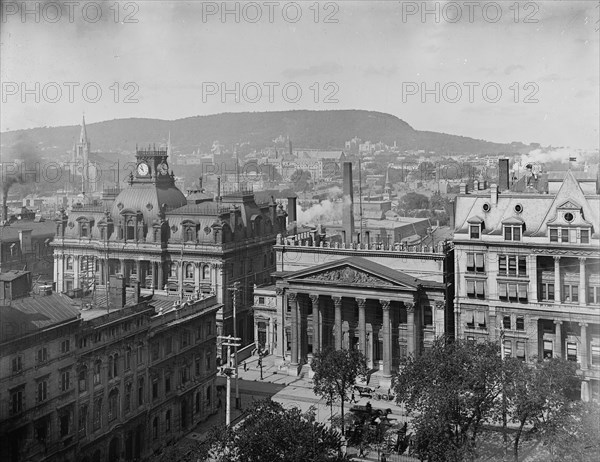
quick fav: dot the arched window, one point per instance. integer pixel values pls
(70, 263)
(173, 270)
(127, 403)
(156, 234)
(103, 233)
(110, 367)
(189, 234)
(85, 230)
(115, 365)
(113, 404)
(206, 272)
(131, 229)
(189, 271)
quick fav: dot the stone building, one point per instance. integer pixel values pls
(151, 234)
(528, 269)
(115, 381)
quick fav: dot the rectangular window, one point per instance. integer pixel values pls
(167, 384)
(42, 391)
(154, 351)
(522, 292)
(65, 346)
(548, 349)
(480, 318)
(471, 262)
(507, 349)
(502, 264)
(155, 389)
(65, 380)
(503, 290)
(168, 345)
(470, 287)
(512, 233)
(17, 364)
(506, 322)
(42, 355)
(570, 293)
(474, 231)
(585, 236)
(140, 355)
(97, 413)
(595, 350)
(564, 235)
(547, 291)
(520, 323)
(140, 392)
(65, 421)
(572, 351)
(593, 294)
(470, 319)
(521, 351)
(522, 263)
(479, 288)
(553, 235)
(427, 316)
(16, 401)
(512, 266)
(479, 265)
(512, 291)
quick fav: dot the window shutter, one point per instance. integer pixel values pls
(470, 286)
(480, 318)
(522, 291)
(502, 292)
(480, 288)
(479, 260)
(470, 262)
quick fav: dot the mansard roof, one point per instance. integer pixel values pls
(536, 210)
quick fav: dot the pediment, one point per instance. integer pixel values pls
(352, 275)
(569, 205)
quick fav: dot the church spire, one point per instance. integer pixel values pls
(83, 134)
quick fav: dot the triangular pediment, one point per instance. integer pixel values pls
(355, 271)
(569, 205)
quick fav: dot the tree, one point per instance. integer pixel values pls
(301, 179)
(451, 389)
(538, 394)
(271, 432)
(336, 372)
(414, 201)
(574, 434)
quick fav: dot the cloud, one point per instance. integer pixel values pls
(319, 69)
(386, 71)
(513, 67)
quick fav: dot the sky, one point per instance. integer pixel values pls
(500, 71)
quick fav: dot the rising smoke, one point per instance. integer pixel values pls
(557, 156)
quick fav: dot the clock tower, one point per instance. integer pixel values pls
(152, 166)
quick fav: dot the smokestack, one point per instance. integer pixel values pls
(218, 188)
(4, 209)
(348, 204)
(292, 215)
(116, 292)
(503, 175)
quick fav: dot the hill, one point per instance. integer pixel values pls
(256, 130)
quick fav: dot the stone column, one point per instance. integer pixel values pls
(387, 342)
(280, 324)
(557, 291)
(584, 346)
(160, 280)
(533, 338)
(138, 268)
(218, 280)
(123, 268)
(410, 328)
(582, 282)
(270, 336)
(362, 324)
(76, 271)
(292, 299)
(302, 327)
(533, 294)
(197, 269)
(558, 339)
(314, 299)
(337, 302)
(180, 276)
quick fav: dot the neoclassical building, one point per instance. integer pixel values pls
(151, 234)
(387, 302)
(528, 269)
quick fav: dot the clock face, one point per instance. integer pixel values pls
(143, 169)
(163, 169)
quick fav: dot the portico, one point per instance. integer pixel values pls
(357, 303)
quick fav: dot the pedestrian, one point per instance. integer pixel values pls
(383, 457)
(353, 398)
(245, 366)
(368, 407)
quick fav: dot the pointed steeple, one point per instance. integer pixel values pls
(83, 134)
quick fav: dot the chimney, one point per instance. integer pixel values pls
(137, 291)
(116, 294)
(292, 214)
(452, 213)
(494, 193)
(25, 239)
(476, 185)
(503, 175)
(464, 189)
(348, 204)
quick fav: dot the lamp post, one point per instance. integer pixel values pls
(235, 289)
(229, 372)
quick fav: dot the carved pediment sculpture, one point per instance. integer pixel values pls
(349, 276)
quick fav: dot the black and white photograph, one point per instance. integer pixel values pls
(299, 231)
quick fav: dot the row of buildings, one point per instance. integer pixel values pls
(119, 356)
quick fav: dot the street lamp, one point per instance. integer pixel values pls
(229, 372)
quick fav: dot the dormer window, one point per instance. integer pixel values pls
(474, 231)
(584, 236)
(512, 233)
(130, 229)
(85, 230)
(189, 234)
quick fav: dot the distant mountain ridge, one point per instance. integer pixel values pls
(257, 130)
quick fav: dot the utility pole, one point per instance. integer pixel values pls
(229, 342)
(235, 289)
